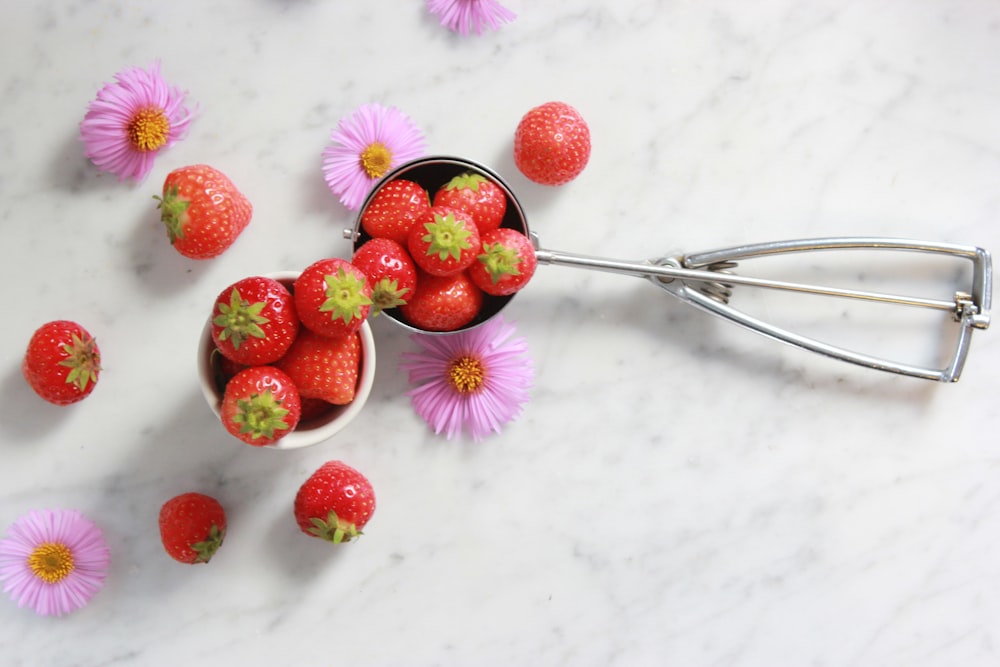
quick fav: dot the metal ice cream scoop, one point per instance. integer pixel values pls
(706, 279)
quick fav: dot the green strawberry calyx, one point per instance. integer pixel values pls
(83, 361)
(207, 548)
(345, 296)
(260, 415)
(386, 293)
(466, 181)
(240, 319)
(500, 260)
(333, 529)
(173, 212)
(446, 237)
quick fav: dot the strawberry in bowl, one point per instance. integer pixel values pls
(318, 410)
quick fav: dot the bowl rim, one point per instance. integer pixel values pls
(297, 439)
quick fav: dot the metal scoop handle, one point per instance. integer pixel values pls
(704, 280)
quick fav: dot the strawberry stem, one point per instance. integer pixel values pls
(466, 181)
(173, 210)
(208, 547)
(386, 293)
(240, 319)
(333, 529)
(83, 360)
(345, 296)
(447, 236)
(260, 415)
(500, 260)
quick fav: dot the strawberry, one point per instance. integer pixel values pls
(506, 263)
(443, 303)
(335, 503)
(324, 367)
(394, 208)
(261, 405)
(552, 144)
(444, 242)
(332, 297)
(254, 321)
(478, 196)
(390, 271)
(192, 527)
(202, 210)
(62, 362)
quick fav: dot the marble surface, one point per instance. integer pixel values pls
(678, 491)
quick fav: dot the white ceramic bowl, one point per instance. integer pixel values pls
(307, 433)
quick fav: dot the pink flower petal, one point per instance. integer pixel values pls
(91, 559)
(465, 16)
(104, 129)
(500, 399)
(369, 124)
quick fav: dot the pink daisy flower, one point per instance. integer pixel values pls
(461, 16)
(366, 145)
(476, 379)
(53, 561)
(132, 120)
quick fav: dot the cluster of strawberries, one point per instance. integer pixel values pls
(333, 504)
(288, 351)
(437, 258)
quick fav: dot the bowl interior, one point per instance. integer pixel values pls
(431, 173)
(309, 432)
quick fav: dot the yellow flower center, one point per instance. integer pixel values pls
(376, 159)
(148, 129)
(51, 562)
(466, 374)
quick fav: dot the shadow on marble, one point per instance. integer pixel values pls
(685, 333)
(72, 172)
(157, 266)
(25, 417)
(299, 566)
(317, 199)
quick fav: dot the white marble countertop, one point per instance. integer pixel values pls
(678, 491)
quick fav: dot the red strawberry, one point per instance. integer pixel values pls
(444, 242)
(390, 271)
(478, 196)
(552, 144)
(192, 527)
(335, 503)
(324, 367)
(394, 208)
(332, 297)
(203, 211)
(62, 362)
(506, 263)
(443, 303)
(261, 405)
(254, 321)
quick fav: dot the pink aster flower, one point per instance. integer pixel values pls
(53, 561)
(462, 16)
(132, 120)
(366, 145)
(476, 379)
